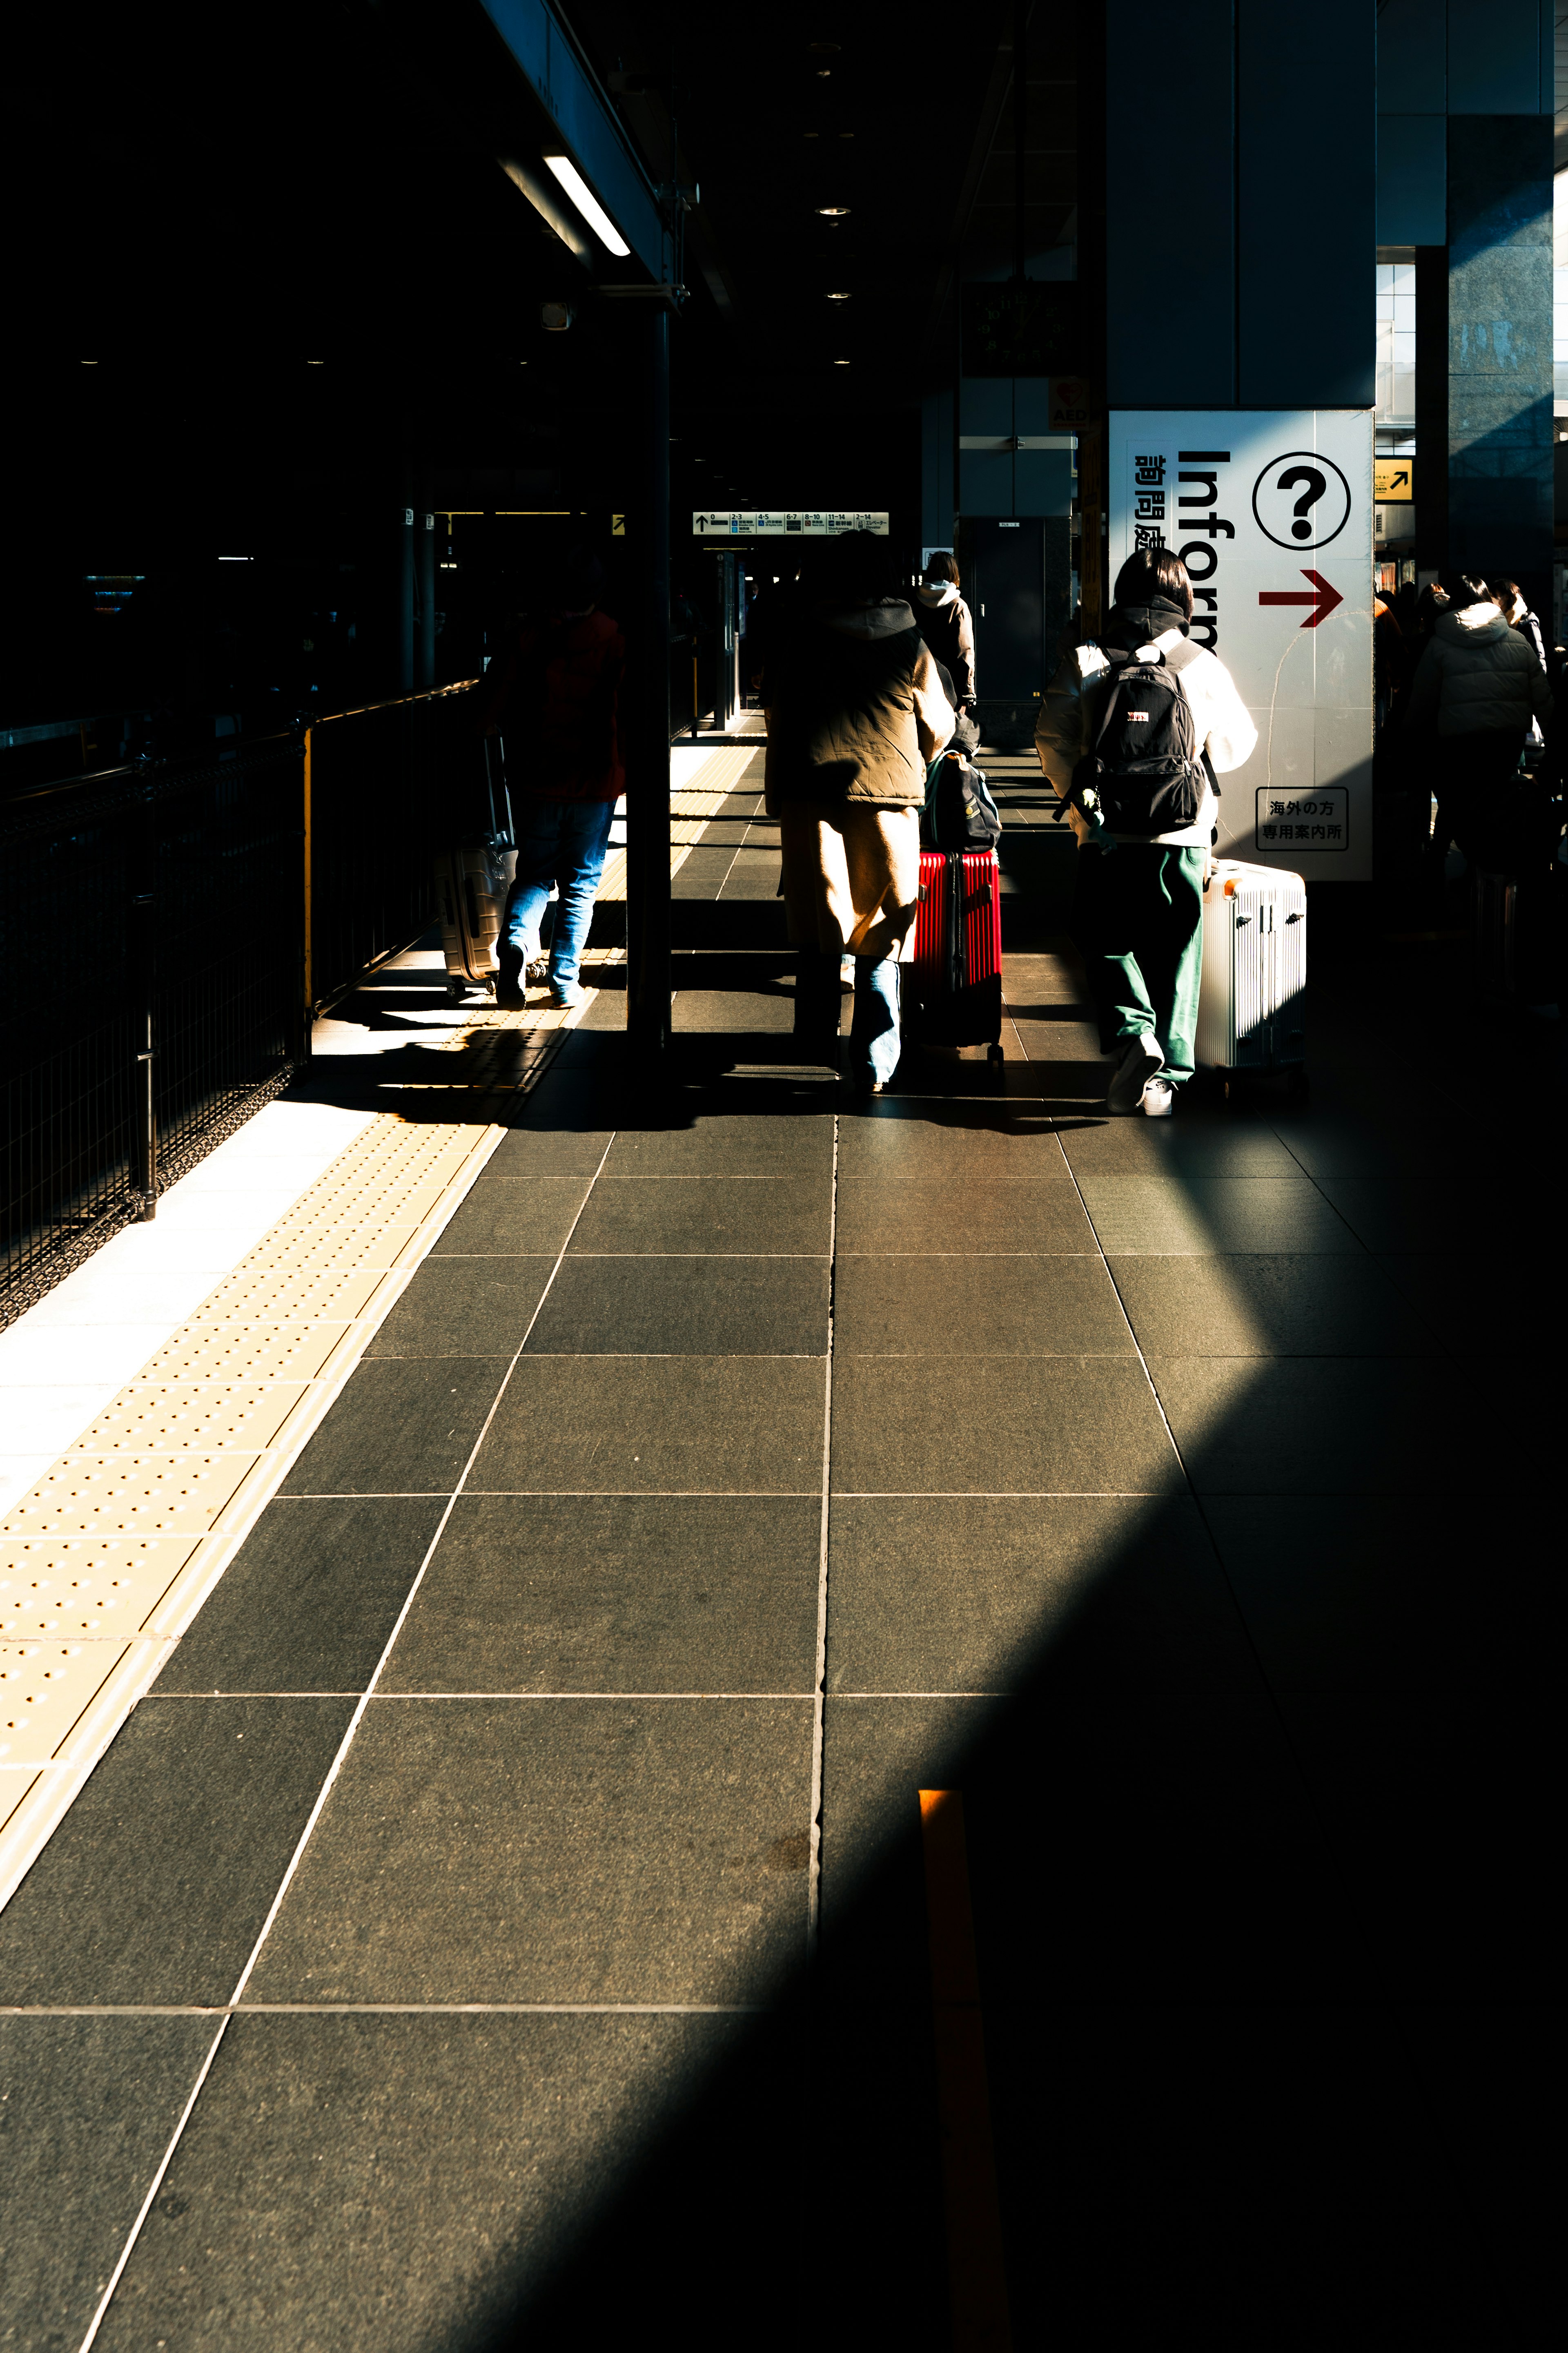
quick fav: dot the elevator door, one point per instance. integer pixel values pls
(1006, 588)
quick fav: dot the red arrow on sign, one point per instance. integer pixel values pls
(1320, 596)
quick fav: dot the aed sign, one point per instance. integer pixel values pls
(1271, 511)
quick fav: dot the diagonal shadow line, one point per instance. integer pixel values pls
(785, 2169)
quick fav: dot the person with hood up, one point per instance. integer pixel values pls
(1138, 915)
(560, 689)
(946, 623)
(1480, 684)
(854, 714)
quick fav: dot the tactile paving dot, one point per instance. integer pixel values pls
(96, 1586)
(273, 1295)
(258, 1352)
(188, 1417)
(44, 1687)
(169, 1494)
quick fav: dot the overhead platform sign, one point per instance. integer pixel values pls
(1271, 511)
(769, 522)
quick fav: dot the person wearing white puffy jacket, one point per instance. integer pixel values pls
(1138, 914)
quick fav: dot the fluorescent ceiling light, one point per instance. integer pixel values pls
(587, 203)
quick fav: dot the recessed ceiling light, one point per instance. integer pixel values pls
(822, 48)
(838, 298)
(823, 72)
(841, 362)
(833, 212)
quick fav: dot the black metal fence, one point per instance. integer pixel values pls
(167, 931)
(384, 786)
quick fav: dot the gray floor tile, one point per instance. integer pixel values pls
(514, 1218)
(308, 1600)
(407, 2183)
(1392, 1147)
(617, 1593)
(465, 1307)
(1431, 1214)
(1326, 1426)
(403, 1426)
(1182, 1216)
(555, 1851)
(1013, 1425)
(1198, 2135)
(1092, 1826)
(89, 2105)
(1344, 1592)
(685, 1305)
(732, 1145)
(703, 873)
(685, 1424)
(724, 1009)
(789, 1213)
(1420, 1794)
(963, 1145)
(1193, 1145)
(754, 875)
(550, 1139)
(1062, 1305)
(1480, 1304)
(908, 1218)
(980, 1593)
(1279, 1305)
(155, 1885)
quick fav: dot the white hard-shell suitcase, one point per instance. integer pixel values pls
(472, 879)
(1252, 1002)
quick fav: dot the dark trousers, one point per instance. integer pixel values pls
(1474, 779)
(1138, 919)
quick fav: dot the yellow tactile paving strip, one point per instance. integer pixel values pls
(689, 811)
(106, 1560)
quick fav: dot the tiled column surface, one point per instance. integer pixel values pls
(733, 1466)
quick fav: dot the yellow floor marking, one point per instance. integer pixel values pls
(977, 2274)
(689, 814)
(106, 1560)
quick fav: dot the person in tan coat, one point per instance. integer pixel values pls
(854, 714)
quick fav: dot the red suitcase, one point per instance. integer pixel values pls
(954, 991)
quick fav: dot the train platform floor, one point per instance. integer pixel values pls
(926, 1722)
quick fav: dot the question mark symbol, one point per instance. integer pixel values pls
(1316, 485)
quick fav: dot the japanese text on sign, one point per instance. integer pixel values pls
(1315, 820)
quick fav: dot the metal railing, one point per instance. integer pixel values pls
(168, 931)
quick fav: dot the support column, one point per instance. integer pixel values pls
(648, 765)
(1499, 348)
(425, 534)
(407, 567)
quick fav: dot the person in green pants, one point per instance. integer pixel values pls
(1138, 914)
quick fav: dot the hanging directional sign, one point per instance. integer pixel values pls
(1271, 511)
(770, 522)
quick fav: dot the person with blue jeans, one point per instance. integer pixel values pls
(559, 694)
(854, 714)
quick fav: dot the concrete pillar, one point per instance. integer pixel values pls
(1499, 348)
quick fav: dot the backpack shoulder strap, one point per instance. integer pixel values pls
(1179, 658)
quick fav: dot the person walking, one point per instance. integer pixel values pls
(1516, 612)
(1138, 909)
(559, 694)
(854, 714)
(1478, 685)
(946, 623)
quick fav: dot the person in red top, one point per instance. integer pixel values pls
(558, 694)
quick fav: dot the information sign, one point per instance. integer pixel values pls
(1393, 480)
(1271, 510)
(776, 523)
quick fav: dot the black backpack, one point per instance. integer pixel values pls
(959, 812)
(1144, 774)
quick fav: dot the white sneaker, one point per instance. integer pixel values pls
(1141, 1058)
(566, 992)
(1159, 1099)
